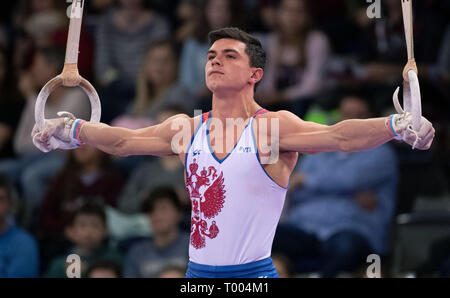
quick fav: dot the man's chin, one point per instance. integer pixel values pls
(219, 88)
(214, 86)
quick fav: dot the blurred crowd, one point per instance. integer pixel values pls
(130, 216)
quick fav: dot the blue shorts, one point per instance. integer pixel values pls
(261, 268)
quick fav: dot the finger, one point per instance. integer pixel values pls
(425, 146)
(429, 135)
(65, 114)
(48, 132)
(425, 128)
(40, 145)
(427, 140)
(34, 131)
(409, 137)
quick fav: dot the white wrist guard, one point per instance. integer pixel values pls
(401, 127)
(390, 122)
(72, 129)
(76, 129)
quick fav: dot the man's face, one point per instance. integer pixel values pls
(164, 217)
(88, 231)
(292, 16)
(228, 66)
(161, 66)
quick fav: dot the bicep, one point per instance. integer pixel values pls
(306, 137)
(168, 138)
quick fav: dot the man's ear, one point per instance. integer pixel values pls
(257, 74)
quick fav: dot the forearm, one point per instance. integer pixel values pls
(152, 140)
(362, 134)
(109, 139)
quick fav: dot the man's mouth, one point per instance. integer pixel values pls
(215, 72)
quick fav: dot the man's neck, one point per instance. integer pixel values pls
(233, 105)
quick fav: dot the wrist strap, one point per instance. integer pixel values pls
(390, 124)
(76, 128)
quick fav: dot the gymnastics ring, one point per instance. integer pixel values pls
(411, 89)
(411, 99)
(69, 76)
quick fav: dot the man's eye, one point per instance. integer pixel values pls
(231, 56)
(210, 57)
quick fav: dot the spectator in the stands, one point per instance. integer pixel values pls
(88, 233)
(121, 40)
(340, 206)
(47, 63)
(216, 14)
(19, 255)
(296, 55)
(168, 246)
(104, 269)
(157, 87)
(88, 173)
(11, 105)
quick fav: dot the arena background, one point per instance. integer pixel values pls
(146, 59)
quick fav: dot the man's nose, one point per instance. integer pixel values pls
(216, 61)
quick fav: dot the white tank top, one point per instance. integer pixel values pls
(236, 205)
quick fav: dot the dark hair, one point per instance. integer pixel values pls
(6, 183)
(104, 264)
(161, 193)
(253, 47)
(90, 208)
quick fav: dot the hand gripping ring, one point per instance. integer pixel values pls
(411, 99)
(56, 82)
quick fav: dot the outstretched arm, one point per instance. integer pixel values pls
(348, 135)
(168, 138)
(153, 140)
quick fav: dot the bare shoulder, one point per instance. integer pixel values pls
(271, 126)
(177, 124)
(182, 127)
(180, 122)
(283, 119)
(281, 115)
(182, 117)
(287, 124)
(268, 130)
